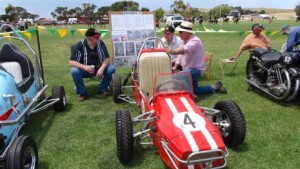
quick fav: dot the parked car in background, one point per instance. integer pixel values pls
(174, 20)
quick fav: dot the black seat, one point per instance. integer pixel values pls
(271, 58)
(10, 53)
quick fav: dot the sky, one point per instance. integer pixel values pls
(44, 7)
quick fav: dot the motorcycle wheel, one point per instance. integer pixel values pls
(235, 133)
(124, 135)
(250, 69)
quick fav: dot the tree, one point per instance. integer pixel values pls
(220, 10)
(53, 14)
(178, 6)
(61, 11)
(124, 6)
(145, 9)
(159, 13)
(88, 9)
(297, 9)
(15, 13)
(103, 10)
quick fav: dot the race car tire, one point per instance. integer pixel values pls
(116, 87)
(124, 135)
(23, 154)
(59, 92)
(235, 134)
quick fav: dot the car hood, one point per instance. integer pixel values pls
(184, 126)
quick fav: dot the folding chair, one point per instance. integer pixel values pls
(224, 62)
(208, 59)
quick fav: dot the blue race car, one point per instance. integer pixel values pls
(22, 93)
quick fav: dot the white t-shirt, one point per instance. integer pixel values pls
(174, 44)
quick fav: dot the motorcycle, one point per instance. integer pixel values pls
(275, 73)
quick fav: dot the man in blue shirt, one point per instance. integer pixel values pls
(293, 34)
(89, 58)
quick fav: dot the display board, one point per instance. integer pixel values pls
(129, 29)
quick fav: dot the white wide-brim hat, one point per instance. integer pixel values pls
(185, 26)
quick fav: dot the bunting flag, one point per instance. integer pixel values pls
(6, 34)
(103, 33)
(26, 34)
(52, 30)
(82, 31)
(274, 32)
(72, 31)
(211, 30)
(239, 32)
(62, 32)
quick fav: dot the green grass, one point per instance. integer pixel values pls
(84, 135)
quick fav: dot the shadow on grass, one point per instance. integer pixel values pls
(241, 149)
(140, 156)
(42, 122)
(293, 103)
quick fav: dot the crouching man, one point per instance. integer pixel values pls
(89, 58)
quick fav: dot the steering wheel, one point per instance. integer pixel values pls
(170, 85)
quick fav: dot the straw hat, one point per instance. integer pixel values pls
(186, 26)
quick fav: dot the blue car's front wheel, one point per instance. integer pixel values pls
(23, 154)
(58, 92)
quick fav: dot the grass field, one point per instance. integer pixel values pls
(83, 137)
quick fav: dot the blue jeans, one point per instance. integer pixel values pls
(196, 75)
(78, 75)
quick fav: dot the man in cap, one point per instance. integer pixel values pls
(254, 40)
(90, 58)
(191, 58)
(293, 34)
(170, 39)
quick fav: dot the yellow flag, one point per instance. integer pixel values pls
(27, 34)
(206, 30)
(62, 32)
(41, 27)
(6, 35)
(274, 32)
(82, 31)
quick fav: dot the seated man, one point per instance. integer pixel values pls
(254, 40)
(170, 40)
(90, 58)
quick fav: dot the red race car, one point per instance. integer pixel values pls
(186, 135)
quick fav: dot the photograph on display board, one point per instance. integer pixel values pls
(118, 36)
(119, 62)
(150, 44)
(134, 35)
(150, 33)
(119, 49)
(138, 46)
(129, 46)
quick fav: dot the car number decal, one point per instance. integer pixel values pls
(189, 121)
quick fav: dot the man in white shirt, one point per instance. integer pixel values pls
(170, 40)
